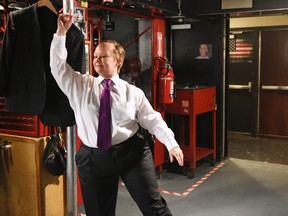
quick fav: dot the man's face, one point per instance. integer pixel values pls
(104, 62)
(203, 50)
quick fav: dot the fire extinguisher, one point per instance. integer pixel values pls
(165, 80)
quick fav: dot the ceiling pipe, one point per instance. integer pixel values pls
(152, 7)
(119, 10)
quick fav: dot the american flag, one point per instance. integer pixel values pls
(240, 50)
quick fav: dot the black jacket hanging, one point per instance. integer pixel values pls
(25, 77)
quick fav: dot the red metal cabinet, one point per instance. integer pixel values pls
(190, 103)
(20, 124)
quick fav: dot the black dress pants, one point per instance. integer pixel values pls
(99, 175)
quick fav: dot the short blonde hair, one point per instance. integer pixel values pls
(118, 52)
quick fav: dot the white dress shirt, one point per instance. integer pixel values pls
(129, 104)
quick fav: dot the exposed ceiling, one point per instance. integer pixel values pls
(172, 9)
(168, 7)
(187, 8)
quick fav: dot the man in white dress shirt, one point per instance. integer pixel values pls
(129, 157)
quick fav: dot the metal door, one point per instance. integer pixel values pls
(273, 111)
(242, 79)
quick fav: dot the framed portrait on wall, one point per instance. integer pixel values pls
(80, 20)
(204, 51)
(80, 12)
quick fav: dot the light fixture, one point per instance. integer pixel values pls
(181, 26)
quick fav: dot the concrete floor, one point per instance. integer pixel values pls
(238, 188)
(264, 149)
(248, 183)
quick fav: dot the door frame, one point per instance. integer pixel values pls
(254, 79)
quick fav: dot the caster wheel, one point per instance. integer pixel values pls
(213, 163)
(190, 175)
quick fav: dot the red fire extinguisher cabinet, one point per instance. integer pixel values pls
(188, 104)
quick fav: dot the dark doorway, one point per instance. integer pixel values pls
(242, 100)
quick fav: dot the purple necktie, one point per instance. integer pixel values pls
(104, 140)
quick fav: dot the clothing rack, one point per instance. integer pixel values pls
(71, 172)
(71, 151)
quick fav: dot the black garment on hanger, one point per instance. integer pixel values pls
(25, 77)
(57, 110)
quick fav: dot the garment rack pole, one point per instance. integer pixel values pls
(71, 149)
(71, 172)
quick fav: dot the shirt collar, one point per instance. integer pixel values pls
(115, 79)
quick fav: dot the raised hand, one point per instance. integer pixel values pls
(64, 23)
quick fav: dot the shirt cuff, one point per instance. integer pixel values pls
(171, 144)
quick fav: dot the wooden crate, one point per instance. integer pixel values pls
(26, 187)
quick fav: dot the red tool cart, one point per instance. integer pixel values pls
(189, 103)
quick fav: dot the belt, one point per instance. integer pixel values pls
(123, 145)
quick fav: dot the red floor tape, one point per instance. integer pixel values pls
(184, 194)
